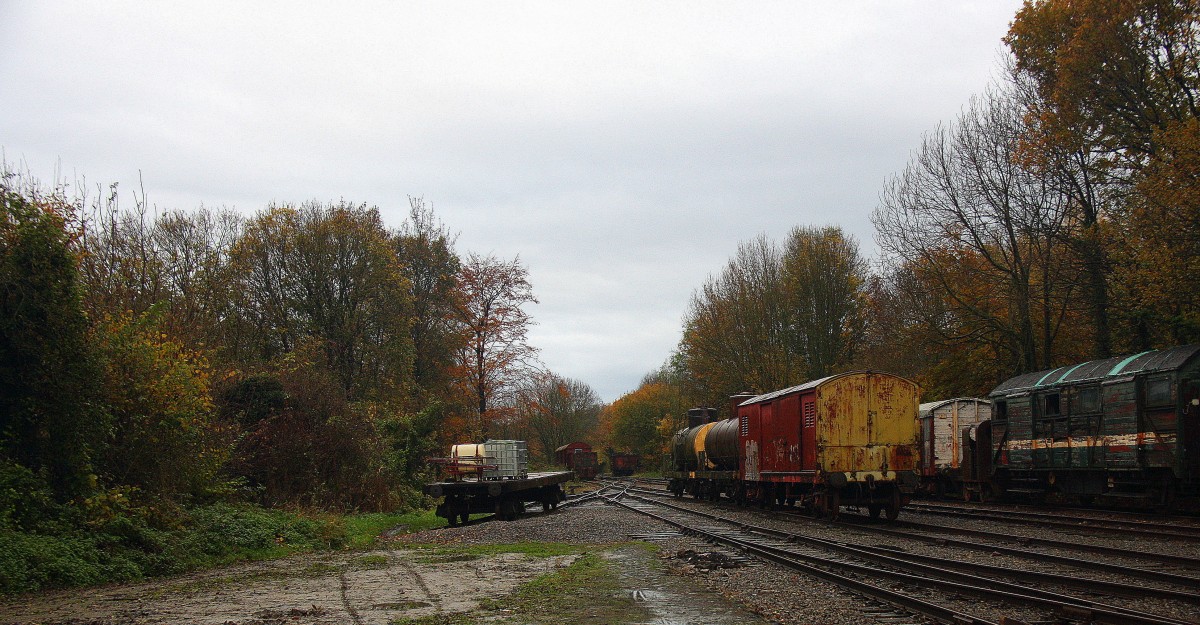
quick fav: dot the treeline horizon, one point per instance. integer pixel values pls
(310, 356)
(1056, 220)
(303, 355)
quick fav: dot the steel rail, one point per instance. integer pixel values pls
(946, 567)
(940, 531)
(940, 577)
(1188, 533)
(932, 610)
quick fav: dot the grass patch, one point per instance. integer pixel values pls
(373, 561)
(589, 590)
(456, 618)
(531, 549)
(363, 530)
(320, 569)
(70, 547)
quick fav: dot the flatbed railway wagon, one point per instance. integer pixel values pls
(845, 440)
(506, 498)
(493, 477)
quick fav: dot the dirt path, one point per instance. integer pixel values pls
(381, 586)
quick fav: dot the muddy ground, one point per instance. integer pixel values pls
(396, 584)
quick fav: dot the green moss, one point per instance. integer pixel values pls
(589, 590)
(456, 618)
(531, 549)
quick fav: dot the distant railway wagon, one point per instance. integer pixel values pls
(847, 439)
(1119, 431)
(625, 464)
(562, 455)
(578, 457)
(943, 425)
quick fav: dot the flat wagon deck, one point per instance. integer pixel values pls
(505, 497)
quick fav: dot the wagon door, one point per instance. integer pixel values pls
(808, 432)
(768, 451)
(1190, 414)
(1120, 427)
(791, 421)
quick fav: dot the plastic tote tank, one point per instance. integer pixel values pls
(510, 457)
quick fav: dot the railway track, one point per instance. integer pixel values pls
(1141, 563)
(876, 571)
(1090, 524)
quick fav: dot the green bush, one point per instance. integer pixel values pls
(126, 545)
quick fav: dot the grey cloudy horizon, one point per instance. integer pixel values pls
(621, 149)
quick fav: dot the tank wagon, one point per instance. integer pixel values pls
(1121, 431)
(944, 424)
(846, 440)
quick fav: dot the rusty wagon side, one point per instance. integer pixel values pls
(848, 439)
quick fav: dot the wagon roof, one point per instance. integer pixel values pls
(576, 444)
(1168, 359)
(929, 407)
(809, 385)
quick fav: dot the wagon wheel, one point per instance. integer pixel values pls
(874, 509)
(451, 509)
(465, 516)
(893, 507)
(506, 510)
(831, 504)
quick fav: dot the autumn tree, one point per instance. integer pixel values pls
(1116, 85)
(641, 421)
(775, 317)
(823, 279)
(1118, 70)
(328, 273)
(164, 438)
(177, 262)
(558, 411)
(304, 443)
(426, 252)
(985, 231)
(1161, 255)
(735, 330)
(50, 422)
(496, 358)
(121, 268)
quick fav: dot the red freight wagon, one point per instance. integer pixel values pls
(579, 458)
(563, 454)
(848, 439)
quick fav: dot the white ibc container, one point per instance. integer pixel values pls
(510, 457)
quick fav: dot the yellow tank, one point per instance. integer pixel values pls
(702, 462)
(467, 452)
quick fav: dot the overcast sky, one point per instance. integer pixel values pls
(622, 149)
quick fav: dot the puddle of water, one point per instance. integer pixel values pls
(670, 599)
